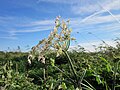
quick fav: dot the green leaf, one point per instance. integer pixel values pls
(117, 86)
(98, 79)
(1, 72)
(64, 86)
(52, 61)
(51, 86)
(67, 44)
(105, 60)
(108, 66)
(77, 88)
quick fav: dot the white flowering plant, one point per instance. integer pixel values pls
(59, 41)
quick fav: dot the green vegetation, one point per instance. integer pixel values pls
(50, 66)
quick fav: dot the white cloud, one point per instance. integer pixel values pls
(101, 19)
(35, 26)
(9, 37)
(29, 25)
(98, 21)
(90, 16)
(30, 30)
(113, 5)
(107, 7)
(96, 17)
(93, 7)
(42, 25)
(15, 25)
(85, 9)
(38, 23)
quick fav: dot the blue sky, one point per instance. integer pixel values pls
(24, 22)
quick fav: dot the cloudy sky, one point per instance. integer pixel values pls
(24, 22)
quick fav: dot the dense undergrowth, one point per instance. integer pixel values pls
(59, 69)
(101, 70)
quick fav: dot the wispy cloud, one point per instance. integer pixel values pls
(38, 23)
(98, 21)
(112, 5)
(28, 25)
(9, 37)
(13, 26)
(101, 19)
(92, 15)
(93, 7)
(82, 10)
(30, 30)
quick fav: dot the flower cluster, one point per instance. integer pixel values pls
(59, 39)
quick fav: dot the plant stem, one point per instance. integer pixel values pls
(64, 74)
(114, 74)
(71, 65)
(16, 67)
(44, 74)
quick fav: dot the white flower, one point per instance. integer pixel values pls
(42, 59)
(29, 59)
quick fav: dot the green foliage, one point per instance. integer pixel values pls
(102, 72)
(12, 80)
